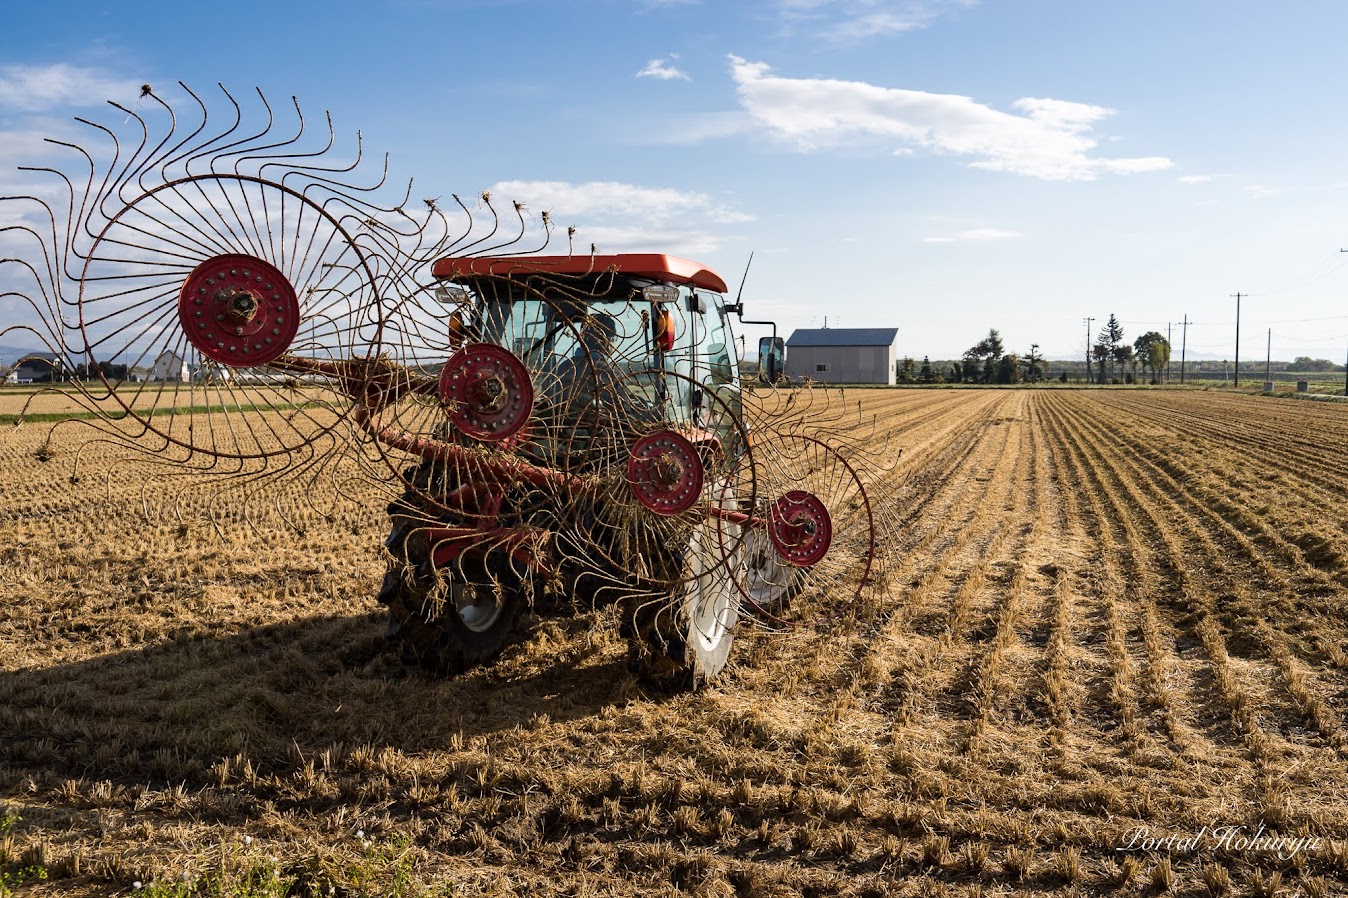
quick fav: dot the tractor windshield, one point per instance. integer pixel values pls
(537, 331)
(579, 351)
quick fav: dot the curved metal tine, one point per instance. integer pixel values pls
(313, 174)
(119, 181)
(182, 151)
(91, 199)
(517, 236)
(495, 223)
(241, 146)
(63, 245)
(206, 150)
(167, 152)
(52, 317)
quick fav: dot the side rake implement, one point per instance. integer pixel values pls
(242, 304)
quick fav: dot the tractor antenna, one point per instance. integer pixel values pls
(738, 307)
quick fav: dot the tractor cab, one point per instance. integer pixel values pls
(643, 338)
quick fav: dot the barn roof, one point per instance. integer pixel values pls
(843, 336)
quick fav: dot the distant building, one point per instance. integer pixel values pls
(169, 366)
(843, 355)
(37, 368)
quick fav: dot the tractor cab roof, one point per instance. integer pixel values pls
(655, 266)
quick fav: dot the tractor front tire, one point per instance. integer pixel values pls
(682, 639)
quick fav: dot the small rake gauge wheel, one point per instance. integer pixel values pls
(665, 472)
(442, 624)
(487, 391)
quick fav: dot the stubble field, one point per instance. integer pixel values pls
(1116, 617)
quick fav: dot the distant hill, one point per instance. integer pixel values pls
(11, 354)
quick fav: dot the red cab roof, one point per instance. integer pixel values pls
(655, 266)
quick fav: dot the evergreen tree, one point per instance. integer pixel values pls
(980, 360)
(1110, 336)
(1034, 364)
(926, 375)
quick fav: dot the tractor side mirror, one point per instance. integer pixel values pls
(771, 358)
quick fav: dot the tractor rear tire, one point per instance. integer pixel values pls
(468, 626)
(681, 640)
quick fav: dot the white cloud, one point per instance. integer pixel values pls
(1263, 191)
(624, 217)
(613, 198)
(36, 88)
(1195, 179)
(1049, 139)
(973, 235)
(664, 70)
(850, 21)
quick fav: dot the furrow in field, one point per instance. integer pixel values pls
(1113, 601)
(1246, 686)
(1256, 600)
(1265, 508)
(959, 498)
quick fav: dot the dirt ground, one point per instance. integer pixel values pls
(1111, 658)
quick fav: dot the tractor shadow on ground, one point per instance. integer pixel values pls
(282, 693)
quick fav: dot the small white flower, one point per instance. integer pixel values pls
(136, 884)
(186, 876)
(248, 840)
(332, 890)
(360, 834)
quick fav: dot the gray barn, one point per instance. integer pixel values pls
(843, 355)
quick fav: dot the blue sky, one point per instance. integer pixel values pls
(936, 165)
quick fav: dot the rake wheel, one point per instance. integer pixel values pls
(820, 532)
(209, 279)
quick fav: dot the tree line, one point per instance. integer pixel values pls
(1111, 359)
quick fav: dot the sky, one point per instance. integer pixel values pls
(940, 166)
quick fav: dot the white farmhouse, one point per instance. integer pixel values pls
(169, 366)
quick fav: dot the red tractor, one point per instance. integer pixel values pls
(613, 382)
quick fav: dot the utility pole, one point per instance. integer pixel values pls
(1089, 377)
(1184, 344)
(1237, 295)
(1268, 359)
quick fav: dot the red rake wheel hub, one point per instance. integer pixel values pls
(488, 391)
(239, 311)
(800, 528)
(665, 472)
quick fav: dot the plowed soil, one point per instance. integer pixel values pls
(1117, 617)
